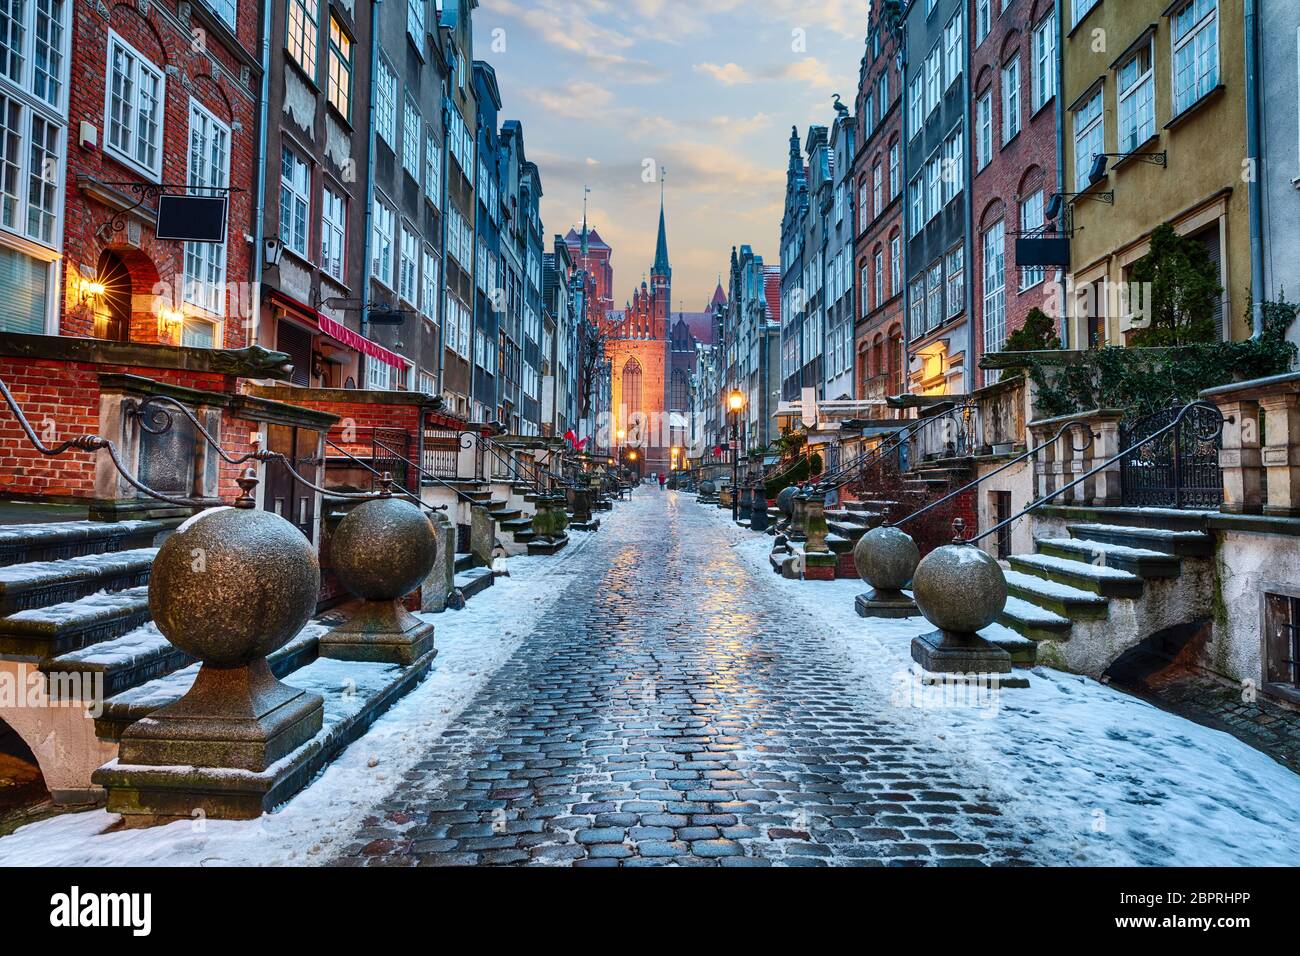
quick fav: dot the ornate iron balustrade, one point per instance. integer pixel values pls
(1173, 467)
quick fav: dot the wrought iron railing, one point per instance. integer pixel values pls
(1179, 470)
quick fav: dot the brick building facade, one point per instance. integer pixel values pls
(1013, 122)
(165, 100)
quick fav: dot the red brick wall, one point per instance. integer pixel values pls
(61, 400)
(878, 319)
(1017, 167)
(201, 63)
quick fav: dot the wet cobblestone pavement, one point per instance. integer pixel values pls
(671, 708)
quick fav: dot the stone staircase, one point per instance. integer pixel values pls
(1089, 594)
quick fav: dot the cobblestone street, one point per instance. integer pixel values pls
(672, 708)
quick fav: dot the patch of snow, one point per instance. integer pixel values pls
(1049, 563)
(93, 606)
(1037, 585)
(69, 569)
(192, 520)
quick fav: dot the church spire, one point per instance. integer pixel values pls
(661, 266)
(585, 191)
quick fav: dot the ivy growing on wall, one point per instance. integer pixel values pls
(1144, 380)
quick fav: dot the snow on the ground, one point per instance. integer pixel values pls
(318, 822)
(1104, 778)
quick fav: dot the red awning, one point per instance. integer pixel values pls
(354, 340)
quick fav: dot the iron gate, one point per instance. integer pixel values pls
(1178, 469)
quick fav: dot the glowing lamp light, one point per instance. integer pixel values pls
(631, 456)
(89, 287)
(735, 401)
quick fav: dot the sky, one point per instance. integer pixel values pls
(611, 91)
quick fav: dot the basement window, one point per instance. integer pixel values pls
(1282, 642)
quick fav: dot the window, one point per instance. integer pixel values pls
(916, 103)
(933, 80)
(918, 206)
(916, 307)
(295, 200)
(1011, 100)
(333, 233)
(934, 296)
(209, 169)
(386, 105)
(415, 22)
(381, 262)
(1282, 640)
(1196, 52)
(40, 68)
(984, 130)
(880, 277)
(225, 10)
(411, 126)
(339, 69)
(378, 375)
(896, 264)
(895, 170)
(1031, 220)
(954, 163)
(408, 274)
(432, 168)
(429, 285)
(934, 186)
(1137, 94)
(1088, 132)
(956, 281)
(952, 50)
(995, 287)
(1044, 49)
(302, 32)
(864, 282)
(983, 19)
(864, 208)
(1081, 8)
(877, 187)
(134, 107)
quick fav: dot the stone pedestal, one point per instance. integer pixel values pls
(953, 652)
(960, 589)
(758, 520)
(797, 529)
(886, 558)
(440, 580)
(1281, 453)
(1240, 458)
(745, 503)
(880, 603)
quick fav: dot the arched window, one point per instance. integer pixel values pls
(632, 386)
(677, 398)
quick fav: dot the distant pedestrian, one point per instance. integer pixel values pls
(663, 480)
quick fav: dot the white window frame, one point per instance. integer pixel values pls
(952, 44)
(955, 280)
(1083, 137)
(1011, 106)
(994, 311)
(298, 48)
(415, 15)
(984, 130)
(296, 195)
(386, 104)
(954, 167)
(1187, 97)
(1032, 219)
(383, 260)
(334, 232)
(1137, 101)
(140, 64)
(1043, 46)
(432, 168)
(206, 292)
(983, 20)
(412, 126)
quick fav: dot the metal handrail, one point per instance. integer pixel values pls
(422, 473)
(890, 444)
(1074, 423)
(385, 477)
(1178, 420)
(489, 445)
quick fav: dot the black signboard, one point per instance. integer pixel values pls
(192, 218)
(1042, 251)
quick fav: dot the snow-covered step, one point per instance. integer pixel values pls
(56, 540)
(463, 562)
(43, 583)
(1033, 622)
(125, 662)
(473, 581)
(1143, 562)
(1186, 544)
(1061, 598)
(49, 631)
(1023, 651)
(125, 708)
(1097, 578)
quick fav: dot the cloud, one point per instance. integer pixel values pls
(729, 74)
(735, 127)
(810, 71)
(576, 100)
(567, 24)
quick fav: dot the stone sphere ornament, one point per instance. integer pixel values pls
(886, 558)
(382, 551)
(785, 500)
(233, 584)
(960, 588)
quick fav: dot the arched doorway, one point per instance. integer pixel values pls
(22, 787)
(113, 305)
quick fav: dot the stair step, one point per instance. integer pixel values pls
(50, 631)
(473, 581)
(43, 583)
(506, 514)
(123, 709)
(1023, 651)
(57, 540)
(136, 657)
(1064, 600)
(1034, 622)
(847, 530)
(1099, 579)
(1184, 544)
(464, 562)
(1143, 562)
(542, 546)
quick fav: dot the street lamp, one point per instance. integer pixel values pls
(735, 402)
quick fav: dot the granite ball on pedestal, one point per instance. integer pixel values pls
(960, 589)
(886, 558)
(707, 488)
(785, 500)
(382, 551)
